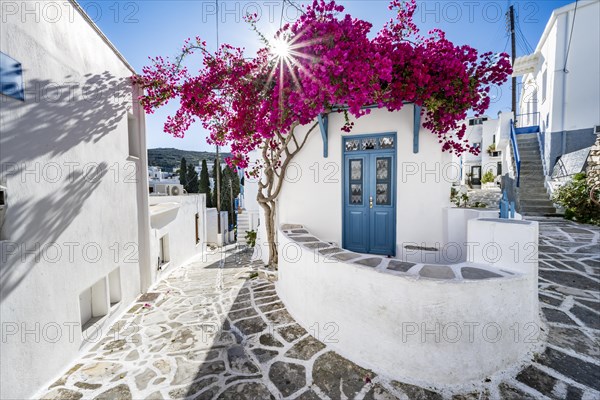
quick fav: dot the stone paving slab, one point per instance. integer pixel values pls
(212, 332)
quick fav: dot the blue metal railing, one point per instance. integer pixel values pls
(515, 148)
(527, 119)
(507, 208)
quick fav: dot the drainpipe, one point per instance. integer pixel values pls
(564, 72)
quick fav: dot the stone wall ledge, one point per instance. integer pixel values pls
(462, 272)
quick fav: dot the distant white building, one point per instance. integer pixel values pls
(482, 132)
(560, 82)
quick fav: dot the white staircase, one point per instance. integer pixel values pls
(243, 225)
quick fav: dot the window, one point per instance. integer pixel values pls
(163, 251)
(114, 286)
(93, 304)
(477, 121)
(544, 84)
(499, 169)
(11, 77)
(133, 136)
(356, 172)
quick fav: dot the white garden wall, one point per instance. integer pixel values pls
(450, 330)
(183, 234)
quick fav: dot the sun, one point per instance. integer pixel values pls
(281, 49)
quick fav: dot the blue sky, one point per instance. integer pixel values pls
(140, 29)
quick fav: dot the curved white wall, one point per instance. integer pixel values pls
(388, 321)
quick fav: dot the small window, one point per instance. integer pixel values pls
(114, 286)
(544, 84)
(499, 169)
(356, 182)
(163, 251)
(133, 135)
(93, 304)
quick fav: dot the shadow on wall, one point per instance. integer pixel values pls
(53, 120)
(55, 117)
(41, 222)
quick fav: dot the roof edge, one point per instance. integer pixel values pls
(102, 35)
(555, 13)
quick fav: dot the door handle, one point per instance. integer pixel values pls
(370, 201)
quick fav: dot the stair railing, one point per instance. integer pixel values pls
(527, 119)
(541, 136)
(515, 149)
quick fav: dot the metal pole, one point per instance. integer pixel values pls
(511, 12)
(218, 183)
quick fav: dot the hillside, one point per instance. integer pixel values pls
(168, 159)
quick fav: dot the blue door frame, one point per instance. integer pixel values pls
(369, 199)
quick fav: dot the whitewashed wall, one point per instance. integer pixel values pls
(312, 195)
(404, 318)
(180, 228)
(571, 101)
(74, 213)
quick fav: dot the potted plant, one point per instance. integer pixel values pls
(491, 148)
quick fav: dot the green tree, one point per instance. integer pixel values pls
(204, 185)
(230, 191)
(192, 180)
(183, 172)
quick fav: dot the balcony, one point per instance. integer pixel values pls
(527, 123)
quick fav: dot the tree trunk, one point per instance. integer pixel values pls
(269, 209)
(275, 164)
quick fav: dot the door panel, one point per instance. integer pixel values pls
(370, 195)
(382, 238)
(356, 224)
(476, 175)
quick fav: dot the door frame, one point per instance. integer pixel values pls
(394, 182)
(480, 174)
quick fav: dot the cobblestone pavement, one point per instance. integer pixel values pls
(219, 332)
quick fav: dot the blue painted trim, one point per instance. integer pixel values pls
(515, 147)
(416, 128)
(344, 107)
(394, 153)
(527, 129)
(324, 125)
(11, 77)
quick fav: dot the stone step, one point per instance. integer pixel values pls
(528, 202)
(526, 184)
(529, 147)
(535, 199)
(530, 154)
(527, 187)
(538, 210)
(533, 145)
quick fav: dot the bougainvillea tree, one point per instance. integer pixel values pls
(326, 60)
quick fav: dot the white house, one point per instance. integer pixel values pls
(483, 133)
(80, 239)
(560, 82)
(381, 189)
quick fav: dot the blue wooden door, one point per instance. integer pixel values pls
(369, 215)
(356, 209)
